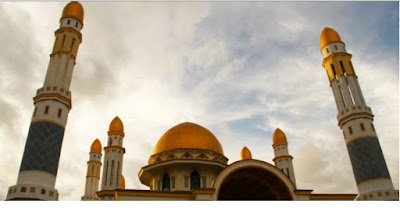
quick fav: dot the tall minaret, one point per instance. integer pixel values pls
(113, 157)
(356, 121)
(93, 172)
(282, 159)
(38, 170)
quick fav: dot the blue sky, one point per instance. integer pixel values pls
(240, 69)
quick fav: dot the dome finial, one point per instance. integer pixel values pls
(278, 138)
(116, 127)
(74, 10)
(96, 147)
(245, 154)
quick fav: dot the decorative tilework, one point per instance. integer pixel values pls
(43, 146)
(367, 159)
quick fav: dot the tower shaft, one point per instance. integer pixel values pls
(39, 166)
(355, 119)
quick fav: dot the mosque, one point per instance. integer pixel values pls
(188, 162)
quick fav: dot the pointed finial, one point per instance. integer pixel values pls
(245, 154)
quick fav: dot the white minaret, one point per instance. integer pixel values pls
(93, 172)
(355, 119)
(39, 166)
(113, 157)
(282, 159)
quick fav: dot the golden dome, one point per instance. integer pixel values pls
(122, 182)
(116, 127)
(96, 147)
(279, 137)
(188, 135)
(245, 154)
(74, 10)
(329, 35)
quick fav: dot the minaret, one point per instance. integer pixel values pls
(93, 172)
(282, 159)
(38, 170)
(356, 121)
(113, 157)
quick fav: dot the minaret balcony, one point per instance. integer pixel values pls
(354, 112)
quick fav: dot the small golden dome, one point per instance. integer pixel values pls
(245, 154)
(122, 182)
(74, 10)
(329, 35)
(190, 136)
(96, 147)
(116, 127)
(279, 137)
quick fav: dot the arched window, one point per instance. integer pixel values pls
(165, 182)
(194, 180)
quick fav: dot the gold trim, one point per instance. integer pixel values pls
(375, 179)
(116, 195)
(113, 146)
(359, 137)
(52, 95)
(282, 156)
(363, 114)
(333, 196)
(46, 120)
(69, 29)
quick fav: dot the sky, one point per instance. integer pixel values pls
(239, 69)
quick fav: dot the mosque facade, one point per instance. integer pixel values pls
(188, 162)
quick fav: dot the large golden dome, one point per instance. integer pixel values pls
(73, 10)
(116, 127)
(96, 147)
(190, 136)
(279, 137)
(329, 35)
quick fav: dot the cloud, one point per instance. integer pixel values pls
(240, 69)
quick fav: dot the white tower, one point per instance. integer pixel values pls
(93, 172)
(113, 157)
(355, 119)
(39, 166)
(282, 159)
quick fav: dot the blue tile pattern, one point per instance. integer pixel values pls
(367, 159)
(42, 148)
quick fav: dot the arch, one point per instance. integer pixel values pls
(166, 183)
(194, 180)
(253, 180)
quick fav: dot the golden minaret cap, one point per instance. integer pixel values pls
(245, 154)
(96, 147)
(74, 10)
(116, 127)
(122, 182)
(278, 138)
(329, 35)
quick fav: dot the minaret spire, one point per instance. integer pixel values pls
(355, 119)
(93, 172)
(39, 166)
(113, 156)
(283, 160)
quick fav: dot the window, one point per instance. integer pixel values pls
(379, 193)
(51, 193)
(186, 181)
(23, 189)
(194, 180)
(327, 50)
(365, 197)
(109, 141)
(350, 130)
(59, 112)
(72, 45)
(34, 112)
(341, 65)
(76, 24)
(287, 171)
(117, 181)
(372, 127)
(172, 183)
(204, 182)
(105, 180)
(369, 195)
(112, 172)
(43, 191)
(68, 22)
(166, 183)
(46, 110)
(63, 41)
(387, 193)
(9, 191)
(335, 47)
(362, 127)
(333, 68)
